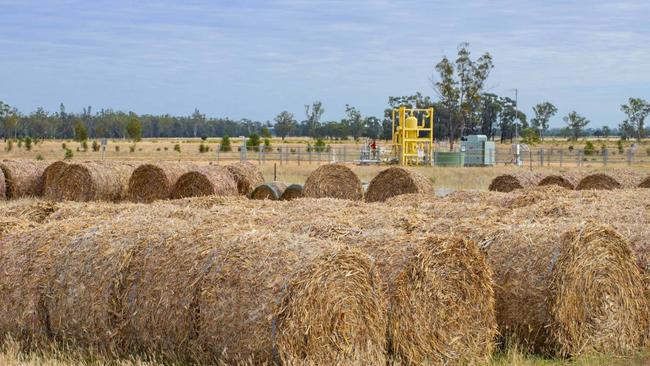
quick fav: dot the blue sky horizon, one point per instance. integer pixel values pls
(254, 59)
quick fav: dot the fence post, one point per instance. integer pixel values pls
(629, 157)
(218, 152)
(309, 151)
(541, 157)
(561, 156)
(259, 154)
(530, 155)
(578, 157)
(549, 157)
(344, 159)
(605, 157)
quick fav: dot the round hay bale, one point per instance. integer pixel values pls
(614, 179)
(568, 180)
(598, 181)
(50, 175)
(333, 181)
(512, 181)
(268, 191)
(205, 181)
(23, 178)
(395, 181)
(442, 305)
(154, 181)
(275, 297)
(567, 294)
(93, 181)
(246, 175)
(36, 211)
(292, 192)
(175, 287)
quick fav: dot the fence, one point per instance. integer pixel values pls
(531, 158)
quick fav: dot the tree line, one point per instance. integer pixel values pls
(463, 107)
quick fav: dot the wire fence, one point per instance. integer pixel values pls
(531, 157)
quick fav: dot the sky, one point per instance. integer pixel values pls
(254, 59)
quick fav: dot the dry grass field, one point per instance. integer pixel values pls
(293, 171)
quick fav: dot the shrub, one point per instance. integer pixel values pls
(28, 143)
(203, 148)
(157, 149)
(267, 145)
(10, 145)
(64, 145)
(619, 145)
(253, 142)
(203, 138)
(319, 145)
(117, 148)
(68, 154)
(165, 148)
(647, 151)
(39, 157)
(530, 136)
(225, 143)
(132, 148)
(96, 146)
(84, 145)
(177, 148)
(589, 148)
(20, 143)
(570, 147)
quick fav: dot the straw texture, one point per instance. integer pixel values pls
(333, 181)
(93, 181)
(205, 181)
(395, 181)
(292, 192)
(246, 175)
(23, 178)
(513, 181)
(554, 296)
(154, 181)
(568, 180)
(51, 175)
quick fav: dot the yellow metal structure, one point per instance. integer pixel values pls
(413, 135)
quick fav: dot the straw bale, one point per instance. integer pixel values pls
(154, 181)
(150, 283)
(395, 181)
(294, 191)
(432, 283)
(566, 294)
(246, 175)
(23, 178)
(205, 181)
(24, 262)
(568, 180)
(93, 181)
(517, 180)
(50, 175)
(611, 180)
(269, 191)
(333, 181)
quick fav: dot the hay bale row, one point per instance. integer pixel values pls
(294, 191)
(246, 175)
(268, 191)
(568, 180)
(205, 181)
(154, 181)
(183, 291)
(23, 178)
(396, 181)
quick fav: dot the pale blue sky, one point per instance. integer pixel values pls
(253, 59)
